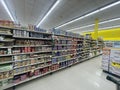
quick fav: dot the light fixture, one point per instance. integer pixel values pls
(89, 14)
(115, 19)
(52, 8)
(110, 27)
(81, 27)
(117, 26)
(111, 5)
(7, 9)
(86, 31)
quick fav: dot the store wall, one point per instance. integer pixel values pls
(108, 34)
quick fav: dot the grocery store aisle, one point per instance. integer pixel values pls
(85, 76)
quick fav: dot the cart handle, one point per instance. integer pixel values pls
(113, 80)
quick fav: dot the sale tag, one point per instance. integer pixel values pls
(115, 64)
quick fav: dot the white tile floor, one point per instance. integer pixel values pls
(84, 76)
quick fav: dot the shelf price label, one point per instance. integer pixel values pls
(115, 64)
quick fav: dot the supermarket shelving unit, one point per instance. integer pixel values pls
(111, 58)
(33, 54)
(29, 55)
(65, 50)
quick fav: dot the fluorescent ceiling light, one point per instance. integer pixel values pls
(52, 8)
(7, 9)
(84, 31)
(110, 27)
(117, 26)
(78, 19)
(115, 19)
(111, 5)
(81, 27)
(89, 14)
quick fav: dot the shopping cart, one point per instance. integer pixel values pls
(114, 80)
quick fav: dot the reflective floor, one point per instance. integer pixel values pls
(84, 76)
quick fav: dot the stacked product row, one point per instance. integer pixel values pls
(26, 55)
(64, 50)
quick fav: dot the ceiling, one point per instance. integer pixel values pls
(32, 11)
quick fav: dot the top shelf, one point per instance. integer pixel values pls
(6, 34)
(32, 38)
(24, 30)
(40, 32)
(67, 36)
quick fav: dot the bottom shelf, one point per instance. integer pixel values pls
(34, 77)
(111, 74)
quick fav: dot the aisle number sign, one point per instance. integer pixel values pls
(115, 64)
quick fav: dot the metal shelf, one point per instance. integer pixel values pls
(6, 78)
(28, 79)
(29, 65)
(5, 46)
(5, 27)
(32, 64)
(31, 58)
(21, 72)
(65, 39)
(62, 50)
(6, 40)
(6, 34)
(11, 85)
(65, 44)
(6, 55)
(66, 36)
(62, 55)
(6, 70)
(66, 60)
(31, 52)
(40, 32)
(32, 70)
(13, 28)
(32, 38)
(31, 45)
(7, 62)
(42, 67)
(79, 40)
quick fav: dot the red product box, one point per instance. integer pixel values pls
(23, 50)
(57, 66)
(31, 74)
(45, 70)
(26, 49)
(42, 71)
(17, 80)
(37, 72)
(52, 68)
(23, 77)
(32, 50)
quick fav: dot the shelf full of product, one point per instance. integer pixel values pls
(111, 58)
(31, 54)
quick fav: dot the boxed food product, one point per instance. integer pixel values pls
(1, 75)
(6, 23)
(106, 59)
(16, 79)
(5, 67)
(115, 61)
(36, 72)
(23, 77)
